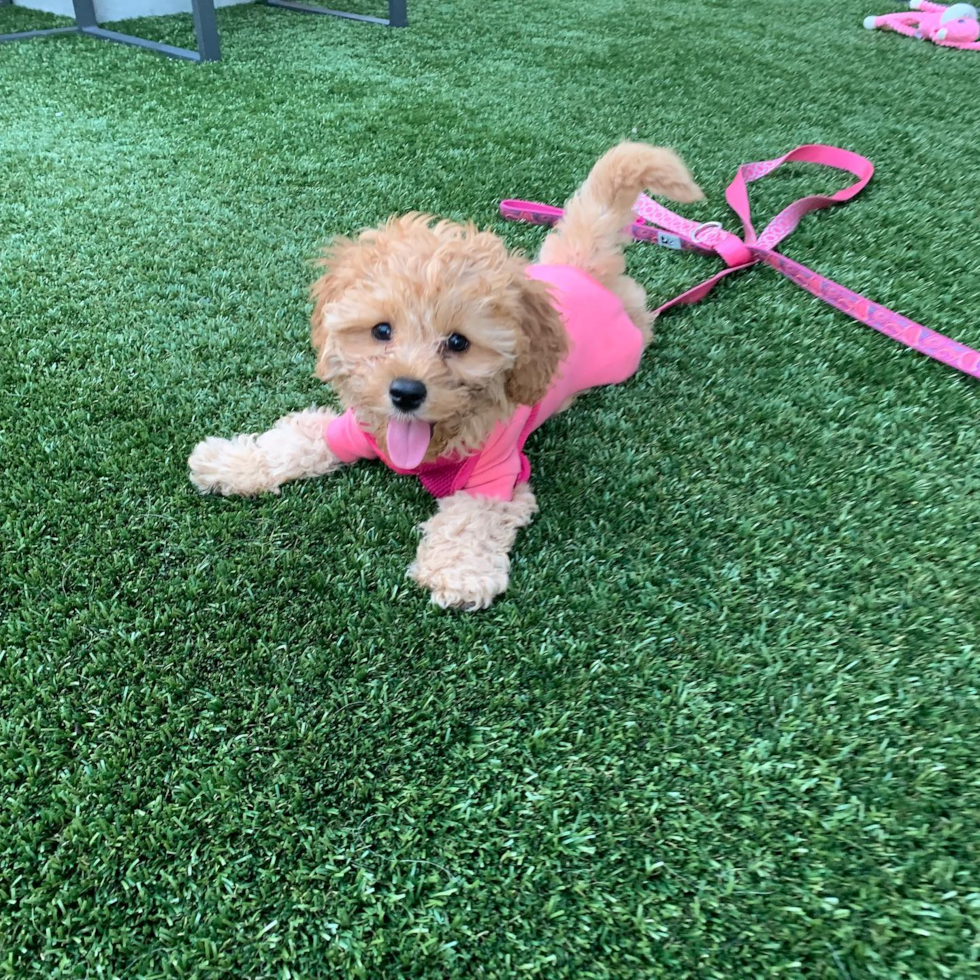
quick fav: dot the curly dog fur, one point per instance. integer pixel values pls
(431, 277)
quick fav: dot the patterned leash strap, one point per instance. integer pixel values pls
(655, 223)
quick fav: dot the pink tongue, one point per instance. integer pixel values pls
(408, 439)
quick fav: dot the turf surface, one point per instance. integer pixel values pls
(724, 724)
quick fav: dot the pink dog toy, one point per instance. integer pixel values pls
(672, 231)
(957, 26)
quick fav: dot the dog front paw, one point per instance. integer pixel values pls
(464, 555)
(232, 467)
(466, 582)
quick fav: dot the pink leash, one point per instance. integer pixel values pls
(673, 231)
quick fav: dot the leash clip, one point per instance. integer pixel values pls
(730, 247)
(704, 226)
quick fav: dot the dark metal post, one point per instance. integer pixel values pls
(85, 13)
(398, 13)
(206, 26)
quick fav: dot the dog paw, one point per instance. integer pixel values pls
(464, 555)
(232, 467)
(468, 584)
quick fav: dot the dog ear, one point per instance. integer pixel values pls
(545, 344)
(326, 289)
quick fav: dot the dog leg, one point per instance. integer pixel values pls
(464, 555)
(246, 465)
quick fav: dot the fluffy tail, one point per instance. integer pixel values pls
(592, 233)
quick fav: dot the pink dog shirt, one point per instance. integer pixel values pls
(605, 347)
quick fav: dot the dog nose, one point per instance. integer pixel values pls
(407, 394)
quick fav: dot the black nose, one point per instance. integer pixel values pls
(407, 394)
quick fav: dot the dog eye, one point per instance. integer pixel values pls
(382, 332)
(457, 343)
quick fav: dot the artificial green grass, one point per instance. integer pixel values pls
(724, 723)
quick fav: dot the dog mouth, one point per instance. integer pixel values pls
(408, 441)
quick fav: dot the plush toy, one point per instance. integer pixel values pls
(957, 26)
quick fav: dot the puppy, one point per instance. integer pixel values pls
(447, 351)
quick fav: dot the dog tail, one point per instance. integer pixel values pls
(593, 230)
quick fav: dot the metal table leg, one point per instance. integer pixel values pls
(397, 12)
(205, 26)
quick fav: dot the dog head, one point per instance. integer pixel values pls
(432, 333)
